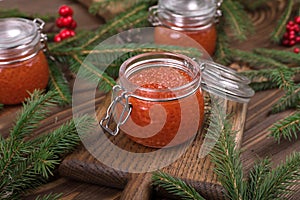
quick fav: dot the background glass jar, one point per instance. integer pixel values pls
(195, 18)
(158, 102)
(23, 65)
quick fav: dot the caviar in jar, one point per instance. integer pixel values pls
(194, 18)
(23, 64)
(166, 102)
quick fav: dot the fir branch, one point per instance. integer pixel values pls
(109, 50)
(287, 128)
(32, 168)
(97, 5)
(175, 186)
(276, 183)
(222, 49)
(279, 55)
(280, 28)
(94, 74)
(255, 60)
(257, 176)
(263, 85)
(32, 113)
(6, 13)
(1, 106)
(290, 100)
(224, 155)
(237, 18)
(49, 197)
(253, 4)
(58, 83)
(139, 14)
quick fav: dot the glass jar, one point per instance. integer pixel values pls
(23, 64)
(160, 96)
(194, 18)
(158, 100)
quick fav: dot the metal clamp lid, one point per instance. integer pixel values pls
(225, 82)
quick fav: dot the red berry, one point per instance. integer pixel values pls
(292, 42)
(286, 35)
(57, 38)
(291, 23)
(72, 33)
(59, 22)
(67, 21)
(64, 34)
(296, 50)
(73, 25)
(298, 39)
(297, 19)
(292, 36)
(65, 11)
(285, 42)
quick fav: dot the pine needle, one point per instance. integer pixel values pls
(291, 99)
(222, 49)
(279, 55)
(256, 61)
(277, 183)
(256, 178)
(287, 128)
(175, 186)
(224, 155)
(280, 27)
(34, 110)
(128, 19)
(237, 19)
(49, 197)
(253, 4)
(59, 84)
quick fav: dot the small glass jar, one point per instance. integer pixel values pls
(158, 101)
(194, 18)
(23, 64)
(160, 98)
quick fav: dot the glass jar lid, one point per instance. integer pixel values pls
(18, 37)
(191, 8)
(183, 14)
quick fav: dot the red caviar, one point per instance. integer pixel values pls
(18, 79)
(163, 123)
(206, 38)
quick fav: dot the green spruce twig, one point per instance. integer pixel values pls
(225, 156)
(290, 100)
(236, 17)
(278, 181)
(279, 55)
(287, 128)
(27, 163)
(175, 186)
(280, 28)
(58, 83)
(49, 197)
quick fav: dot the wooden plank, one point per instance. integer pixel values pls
(71, 190)
(196, 170)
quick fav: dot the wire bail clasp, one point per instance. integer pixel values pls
(119, 97)
(40, 25)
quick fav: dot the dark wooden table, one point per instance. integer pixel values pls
(255, 142)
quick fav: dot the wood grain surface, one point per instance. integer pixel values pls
(102, 182)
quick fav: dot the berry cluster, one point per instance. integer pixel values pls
(292, 35)
(66, 22)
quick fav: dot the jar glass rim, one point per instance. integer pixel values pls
(163, 59)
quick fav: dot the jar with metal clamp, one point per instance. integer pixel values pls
(23, 64)
(158, 101)
(195, 18)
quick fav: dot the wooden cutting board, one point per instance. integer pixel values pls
(196, 171)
